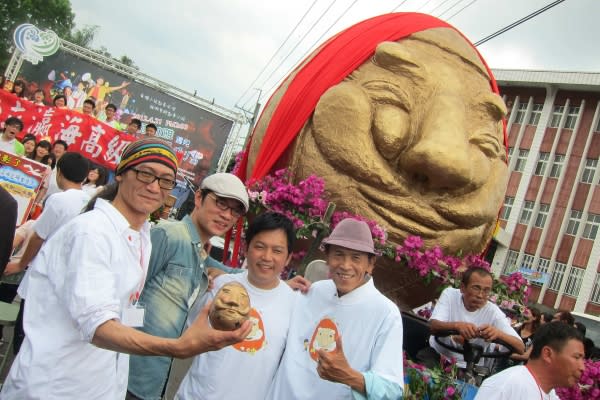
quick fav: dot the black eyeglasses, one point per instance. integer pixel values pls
(223, 206)
(148, 177)
(479, 290)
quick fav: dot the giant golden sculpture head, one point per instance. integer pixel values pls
(412, 138)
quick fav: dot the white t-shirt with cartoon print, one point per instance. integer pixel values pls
(370, 326)
(244, 370)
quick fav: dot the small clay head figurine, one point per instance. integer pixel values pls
(230, 308)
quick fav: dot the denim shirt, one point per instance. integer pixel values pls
(176, 271)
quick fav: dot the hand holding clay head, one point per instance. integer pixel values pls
(230, 308)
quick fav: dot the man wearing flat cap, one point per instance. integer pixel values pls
(177, 273)
(84, 287)
(345, 309)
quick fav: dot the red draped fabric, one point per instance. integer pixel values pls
(336, 59)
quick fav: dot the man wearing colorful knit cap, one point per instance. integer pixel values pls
(85, 283)
(147, 150)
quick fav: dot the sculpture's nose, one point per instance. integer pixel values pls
(441, 159)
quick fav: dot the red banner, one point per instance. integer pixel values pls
(83, 133)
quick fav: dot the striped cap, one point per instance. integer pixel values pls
(147, 150)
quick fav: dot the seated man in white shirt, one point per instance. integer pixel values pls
(468, 311)
(556, 360)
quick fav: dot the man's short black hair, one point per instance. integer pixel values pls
(270, 221)
(474, 270)
(554, 335)
(61, 142)
(111, 105)
(151, 125)
(14, 121)
(137, 122)
(73, 166)
(59, 96)
(566, 317)
(91, 102)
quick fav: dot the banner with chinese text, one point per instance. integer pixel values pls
(84, 134)
(197, 134)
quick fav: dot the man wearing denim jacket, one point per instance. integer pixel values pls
(177, 273)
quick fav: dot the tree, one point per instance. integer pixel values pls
(45, 14)
(83, 37)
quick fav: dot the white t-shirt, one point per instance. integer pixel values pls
(59, 209)
(370, 326)
(252, 362)
(84, 275)
(450, 308)
(515, 383)
(7, 145)
(52, 185)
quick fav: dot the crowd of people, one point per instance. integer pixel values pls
(98, 283)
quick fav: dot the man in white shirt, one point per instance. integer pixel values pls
(83, 290)
(60, 208)
(345, 309)
(556, 360)
(8, 139)
(59, 148)
(269, 240)
(468, 311)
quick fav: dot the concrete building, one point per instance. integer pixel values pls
(551, 215)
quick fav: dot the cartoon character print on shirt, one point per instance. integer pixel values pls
(256, 339)
(323, 338)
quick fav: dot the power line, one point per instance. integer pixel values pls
(399, 5)
(424, 5)
(277, 51)
(449, 8)
(438, 6)
(300, 41)
(519, 22)
(313, 44)
(461, 10)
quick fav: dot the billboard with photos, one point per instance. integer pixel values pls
(197, 135)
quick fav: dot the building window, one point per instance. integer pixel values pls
(591, 226)
(527, 261)
(588, 172)
(540, 219)
(508, 203)
(526, 212)
(598, 126)
(520, 115)
(557, 276)
(521, 160)
(536, 113)
(511, 262)
(557, 113)
(596, 290)
(511, 150)
(572, 117)
(574, 281)
(557, 164)
(574, 221)
(542, 266)
(540, 168)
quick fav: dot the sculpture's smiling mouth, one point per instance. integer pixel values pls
(411, 216)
